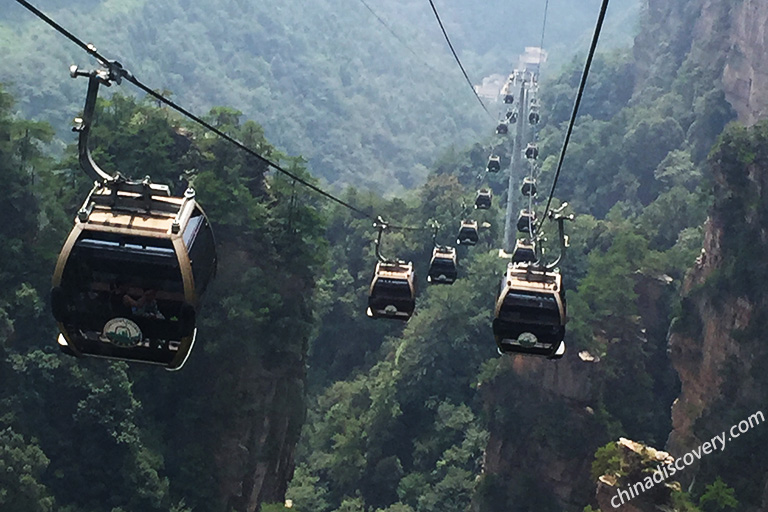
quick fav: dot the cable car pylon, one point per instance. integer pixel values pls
(520, 129)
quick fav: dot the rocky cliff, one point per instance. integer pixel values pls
(262, 379)
(745, 75)
(727, 40)
(709, 58)
(717, 344)
(543, 432)
(547, 418)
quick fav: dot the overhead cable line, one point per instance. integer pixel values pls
(458, 61)
(402, 41)
(543, 29)
(122, 73)
(577, 102)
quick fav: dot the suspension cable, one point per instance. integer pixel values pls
(577, 102)
(400, 39)
(91, 50)
(456, 57)
(543, 29)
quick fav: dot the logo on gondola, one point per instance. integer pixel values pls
(122, 332)
(527, 339)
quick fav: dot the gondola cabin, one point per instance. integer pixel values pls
(511, 116)
(529, 187)
(524, 252)
(531, 151)
(533, 117)
(468, 233)
(129, 279)
(530, 313)
(494, 163)
(443, 266)
(392, 293)
(484, 199)
(526, 222)
(502, 129)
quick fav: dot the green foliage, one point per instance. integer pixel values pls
(718, 497)
(607, 461)
(23, 465)
(398, 415)
(133, 442)
(306, 492)
(681, 502)
(274, 507)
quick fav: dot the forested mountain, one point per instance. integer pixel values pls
(326, 79)
(291, 391)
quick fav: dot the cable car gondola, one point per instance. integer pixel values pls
(524, 252)
(494, 163)
(127, 284)
(530, 312)
(533, 115)
(511, 116)
(529, 187)
(392, 293)
(442, 267)
(531, 151)
(468, 233)
(509, 98)
(502, 129)
(526, 222)
(484, 199)
(129, 279)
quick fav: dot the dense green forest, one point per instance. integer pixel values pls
(116, 430)
(289, 372)
(325, 79)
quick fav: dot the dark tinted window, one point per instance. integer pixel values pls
(387, 287)
(530, 307)
(103, 268)
(198, 238)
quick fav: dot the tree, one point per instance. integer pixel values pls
(718, 497)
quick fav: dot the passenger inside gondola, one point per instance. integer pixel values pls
(106, 294)
(145, 305)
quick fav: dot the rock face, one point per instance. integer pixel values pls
(699, 359)
(255, 459)
(262, 379)
(717, 344)
(544, 416)
(545, 441)
(625, 487)
(728, 38)
(745, 76)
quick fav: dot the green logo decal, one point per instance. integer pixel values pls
(122, 332)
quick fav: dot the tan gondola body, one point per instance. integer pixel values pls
(526, 279)
(442, 266)
(155, 215)
(392, 293)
